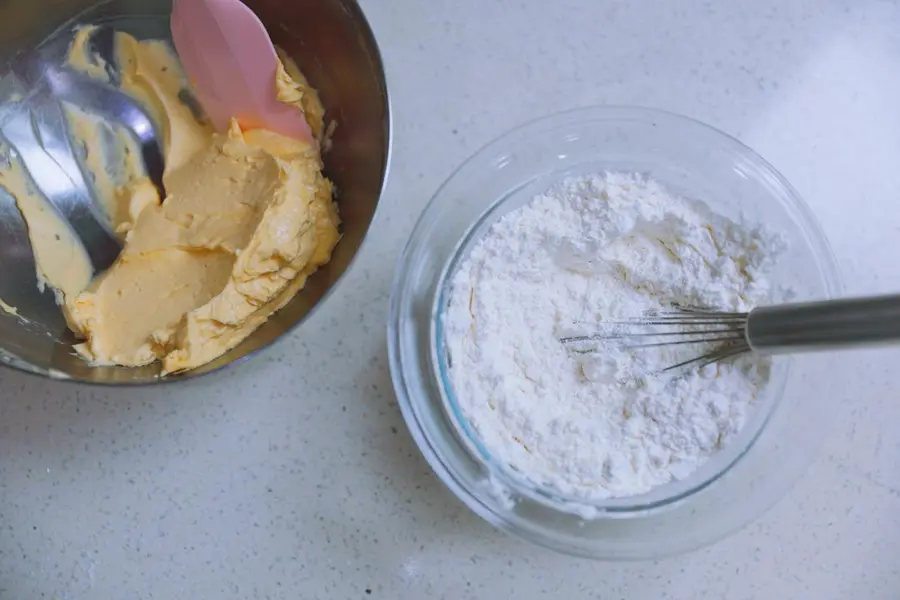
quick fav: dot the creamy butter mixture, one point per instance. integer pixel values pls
(61, 260)
(247, 218)
(8, 308)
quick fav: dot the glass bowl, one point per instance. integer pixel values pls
(692, 160)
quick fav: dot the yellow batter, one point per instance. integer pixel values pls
(61, 260)
(247, 218)
(8, 308)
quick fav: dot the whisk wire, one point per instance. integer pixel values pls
(712, 357)
(771, 329)
(679, 326)
(731, 338)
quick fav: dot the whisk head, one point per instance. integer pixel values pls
(718, 335)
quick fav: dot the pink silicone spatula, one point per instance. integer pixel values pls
(229, 58)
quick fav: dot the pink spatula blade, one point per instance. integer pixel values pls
(229, 58)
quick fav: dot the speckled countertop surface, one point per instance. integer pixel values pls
(293, 476)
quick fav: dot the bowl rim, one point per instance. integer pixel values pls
(14, 363)
(828, 273)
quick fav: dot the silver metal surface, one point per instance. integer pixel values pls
(332, 44)
(112, 105)
(35, 130)
(45, 77)
(825, 325)
(776, 329)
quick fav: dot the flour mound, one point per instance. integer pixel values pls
(604, 423)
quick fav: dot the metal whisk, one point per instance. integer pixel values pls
(776, 329)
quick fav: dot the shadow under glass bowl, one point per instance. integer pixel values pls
(334, 47)
(691, 160)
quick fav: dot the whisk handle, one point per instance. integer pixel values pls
(826, 324)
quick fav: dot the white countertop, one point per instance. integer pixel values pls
(293, 475)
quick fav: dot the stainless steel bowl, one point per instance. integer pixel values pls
(334, 47)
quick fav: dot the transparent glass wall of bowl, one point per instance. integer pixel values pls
(695, 161)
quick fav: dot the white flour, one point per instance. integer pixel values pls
(603, 424)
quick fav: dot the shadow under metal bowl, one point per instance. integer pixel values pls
(334, 47)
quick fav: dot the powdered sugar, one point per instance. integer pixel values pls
(601, 424)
